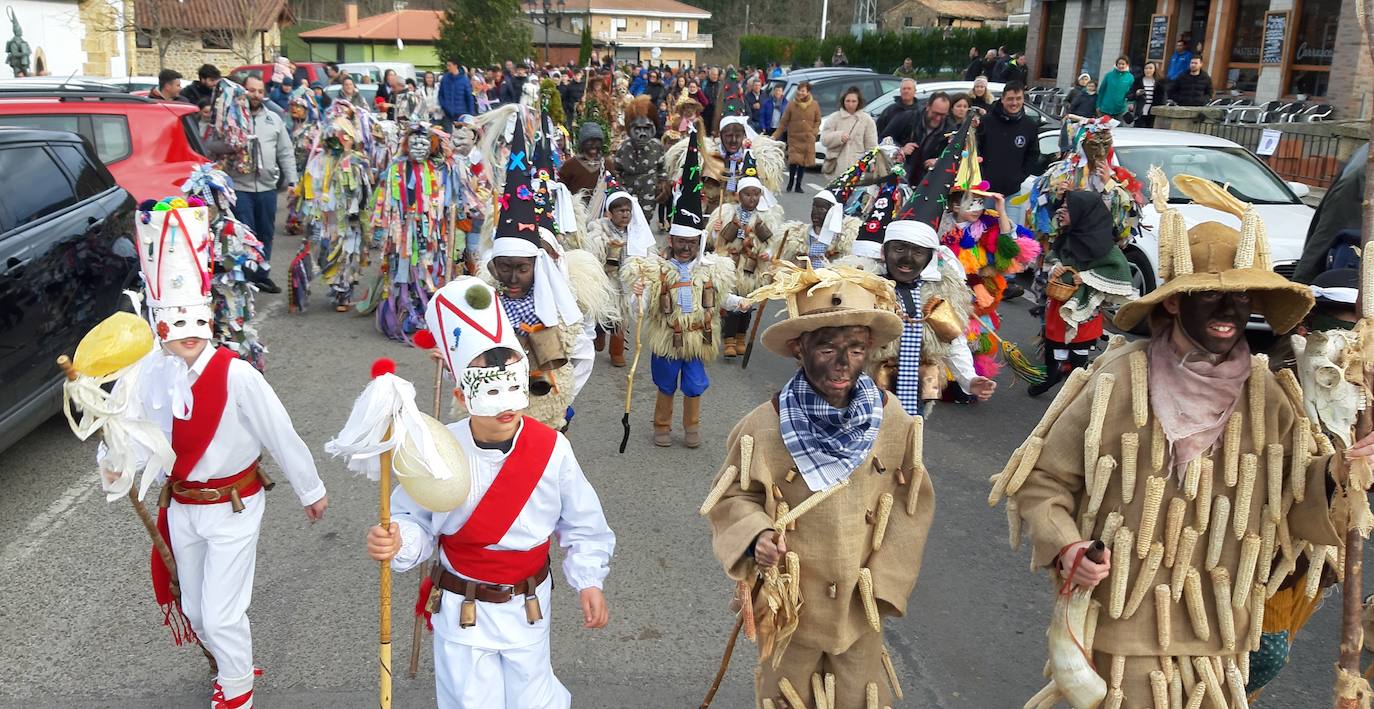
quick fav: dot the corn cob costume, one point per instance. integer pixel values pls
(1197, 544)
(720, 172)
(854, 533)
(333, 196)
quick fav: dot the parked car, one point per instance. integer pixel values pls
(91, 84)
(1247, 177)
(150, 146)
(828, 83)
(375, 70)
(66, 252)
(135, 84)
(310, 71)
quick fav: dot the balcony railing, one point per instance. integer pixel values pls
(665, 38)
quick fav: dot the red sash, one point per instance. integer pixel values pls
(467, 550)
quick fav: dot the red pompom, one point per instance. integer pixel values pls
(424, 339)
(383, 365)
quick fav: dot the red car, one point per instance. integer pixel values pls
(149, 146)
(310, 71)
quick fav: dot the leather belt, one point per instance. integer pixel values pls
(243, 484)
(486, 592)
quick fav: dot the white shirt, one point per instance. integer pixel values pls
(253, 419)
(563, 505)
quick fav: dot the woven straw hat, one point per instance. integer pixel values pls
(1214, 257)
(829, 297)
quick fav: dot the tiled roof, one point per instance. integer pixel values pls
(408, 25)
(230, 15)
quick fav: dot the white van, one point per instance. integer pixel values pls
(375, 70)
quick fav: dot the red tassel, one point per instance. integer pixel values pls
(426, 586)
(383, 365)
(424, 339)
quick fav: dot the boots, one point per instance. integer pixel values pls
(618, 348)
(599, 342)
(691, 421)
(663, 420)
(729, 343)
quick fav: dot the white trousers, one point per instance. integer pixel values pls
(467, 677)
(216, 553)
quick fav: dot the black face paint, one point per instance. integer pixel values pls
(832, 358)
(1214, 319)
(684, 249)
(591, 148)
(514, 274)
(819, 208)
(732, 138)
(749, 198)
(905, 261)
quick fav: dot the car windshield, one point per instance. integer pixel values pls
(1245, 177)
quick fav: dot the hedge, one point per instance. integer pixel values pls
(934, 51)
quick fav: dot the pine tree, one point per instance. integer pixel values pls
(584, 55)
(483, 32)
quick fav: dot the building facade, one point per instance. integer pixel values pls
(184, 34)
(963, 14)
(1265, 49)
(636, 28)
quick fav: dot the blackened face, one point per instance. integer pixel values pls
(749, 198)
(620, 213)
(819, 208)
(1214, 320)
(591, 147)
(832, 359)
(905, 261)
(683, 248)
(515, 274)
(732, 138)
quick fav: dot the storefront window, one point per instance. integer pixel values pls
(1053, 39)
(1141, 10)
(1314, 44)
(1249, 31)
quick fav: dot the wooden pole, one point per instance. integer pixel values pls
(418, 631)
(384, 595)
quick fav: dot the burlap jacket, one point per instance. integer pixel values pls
(834, 539)
(1053, 499)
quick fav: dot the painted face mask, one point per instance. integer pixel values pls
(418, 147)
(492, 391)
(641, 131)
(463, 141)
(1097, 146)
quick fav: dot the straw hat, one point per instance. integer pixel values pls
(1214, 257)
(838, 296)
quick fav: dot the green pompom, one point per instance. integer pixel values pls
(478, 297)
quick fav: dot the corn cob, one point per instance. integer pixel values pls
(1208, 675)
(1013, 524)
(746, 458)
(1173, 529)
(810, 502)
(1316, 561)
(1259, 370)
(1113, 523)
(780, 514)
(918, 440)
(1121, 570)
(1243, 660)
(1245, 490)
(1130, 449)
(1118, 671)
(1092, 436)
(1281, 572)
(1101, 478)
(1140, 392)
(1162, 621)
(1149, 515)
(1236, 684)
(1265, 556)
(1245, 571)
(1192, 476)
(1114, 699)
(793, 564)
(718, 491)
(829, 691)
(1186, 544)
(1159, 689)
(1226, 619)
(1176, 690)
(1090, 624)
(1145, 580)
(790, 693)
(1029, 457)
(1302, 439)
(1000, 480)
(1157, 442)
(768, 704)
(891, 675)
(1221, 510)
(1204, 498)
(1072, 386)
(1197, 611)
(1195, 699)
(1284, 539)
(871, 695)
(866, 595)
(1289, 383)
(913, 491)
(818, 691)
(1166, 666)
(880, 522)
(1230, 450)
(1185, 665)
(1252, 643)
(746, 610)
(1323, 443)
(1275, 481)
(1335, 555)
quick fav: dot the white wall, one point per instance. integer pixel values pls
(1068, 49)
(52, 25)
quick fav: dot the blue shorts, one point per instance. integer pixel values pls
(667, 373)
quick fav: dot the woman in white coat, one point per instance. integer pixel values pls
(847, 134)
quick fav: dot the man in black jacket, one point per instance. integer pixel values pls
(1193, 88)
(922, 135)
(204, 87)
(513, 85)
(975, 65)
(1008, 141)
(906, 102)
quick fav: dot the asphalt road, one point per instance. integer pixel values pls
(79, 626)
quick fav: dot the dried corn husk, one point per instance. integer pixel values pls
(718, 491)
(1145, 579)
(1186, 544)
(1130, 449)
(1173, 529)
(1221, 511)
(1197, 609)
(1149, 515)
(1163, 624)
(1120, 570)
(1245, 570)
(1226, 622)
(1230, 451)
(746, 459)
(880, 521)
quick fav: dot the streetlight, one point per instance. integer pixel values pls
(399, 6)
(543, 12)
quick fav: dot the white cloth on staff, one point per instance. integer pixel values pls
(468, 677)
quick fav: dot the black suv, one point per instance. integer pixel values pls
(66, 253)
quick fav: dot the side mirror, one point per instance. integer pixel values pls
(1299, 189)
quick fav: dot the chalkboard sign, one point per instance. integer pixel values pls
(1158, 46)
(1275, 32)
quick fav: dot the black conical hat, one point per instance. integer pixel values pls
(883, 210)
(931, 198)
(518, 219)
(544, 176)
(687, 217)
(845, 183)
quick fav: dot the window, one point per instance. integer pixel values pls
(69, 123)
(33, 185)
(1244, 68)
(618, 23)
(1313, 44)
(216, 39)
(680, 27)
(89, 180)
(142, 39)
(111, 138)
(908, 21)
(1139, 36)
(653, 26)
(578, 23)
(1052, 40)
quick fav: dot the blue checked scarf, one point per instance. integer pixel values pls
(909, 349)
(815, 250)
(826, 443)
(521, 310)
(684, 294)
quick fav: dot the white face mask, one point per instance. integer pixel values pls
(180, 323)
(491, 391)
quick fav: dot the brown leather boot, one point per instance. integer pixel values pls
(691, 421)
(663, 420)
(729, 343)
(599, 342)
(618, 348)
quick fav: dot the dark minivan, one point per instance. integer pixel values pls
(66, 253)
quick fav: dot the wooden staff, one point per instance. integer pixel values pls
(630, 375)
(763, 305)
(384, 595)
(730, 647)
(418, 631)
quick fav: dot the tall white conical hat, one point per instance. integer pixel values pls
(174, 251)
(466, 318)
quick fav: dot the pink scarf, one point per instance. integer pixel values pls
(1191, 396)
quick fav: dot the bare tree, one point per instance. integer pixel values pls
(145, 18)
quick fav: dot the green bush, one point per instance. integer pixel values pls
(934, 51)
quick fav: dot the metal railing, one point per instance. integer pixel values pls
(667, 38)
(1310, 158)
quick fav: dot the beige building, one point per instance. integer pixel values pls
(184, 34)
(966, 14)
(635, 28)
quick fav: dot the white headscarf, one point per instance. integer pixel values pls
(834, 219)
(919, 234)
(554, 303)
(639, 237)
(767, 201)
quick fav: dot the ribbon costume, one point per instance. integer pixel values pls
(408, 216)
(334, 192)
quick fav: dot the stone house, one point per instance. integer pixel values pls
(184, 34)
(971, 14)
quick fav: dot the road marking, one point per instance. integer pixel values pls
(42, 526)
(815, 186)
